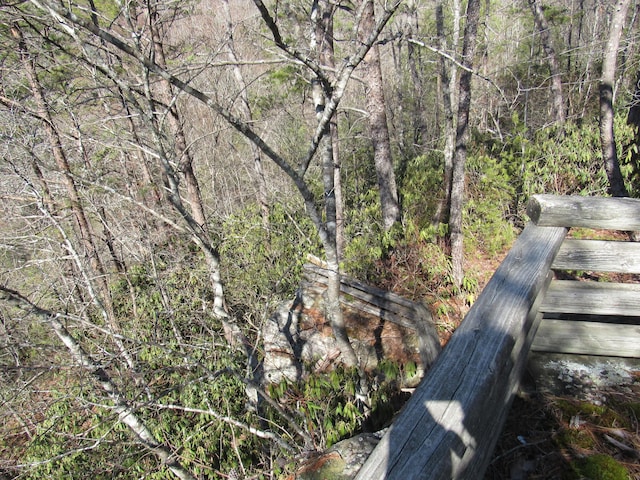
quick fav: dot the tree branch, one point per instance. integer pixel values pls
(288, 49)
(126, 414)
(342, 79)
(231, 421)
(459, 65)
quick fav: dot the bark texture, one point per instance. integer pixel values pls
(447, 77)
(617, 187)
(378, 127)
(462, 138)
(558, 108)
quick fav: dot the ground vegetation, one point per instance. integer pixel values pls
(167, 167)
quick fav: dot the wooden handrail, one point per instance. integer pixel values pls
(449, 427)
(588, 212)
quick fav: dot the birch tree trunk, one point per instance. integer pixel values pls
(617, 187)
(322, 44)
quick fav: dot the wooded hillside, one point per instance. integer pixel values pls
(167, 167)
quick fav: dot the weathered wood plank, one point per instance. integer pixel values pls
(598, 255)
(592, 298)
(587, 338)
(589, 212)
(449, 427)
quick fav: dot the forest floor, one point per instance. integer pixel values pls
(548, 436)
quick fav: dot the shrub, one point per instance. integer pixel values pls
(260, 267)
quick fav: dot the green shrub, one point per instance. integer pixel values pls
(549, 161)
(260, 268)
(325, 404)
(487, 209)
(81, 436)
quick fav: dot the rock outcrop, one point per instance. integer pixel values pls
(381, 325)
(340, 462)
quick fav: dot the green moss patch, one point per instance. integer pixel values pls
(599, 467)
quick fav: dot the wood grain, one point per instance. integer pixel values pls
(449, 427)
(588, 212)
(598, 255)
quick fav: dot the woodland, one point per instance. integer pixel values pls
(168, 166)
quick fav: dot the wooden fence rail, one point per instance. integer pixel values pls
(450, 426)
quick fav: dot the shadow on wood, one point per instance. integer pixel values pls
(449, 428)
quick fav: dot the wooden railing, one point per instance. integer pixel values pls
(450, 426)
(591, 317)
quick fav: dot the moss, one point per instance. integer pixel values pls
(599, 415)
(599, 467)
(328, 467)
(573, 438)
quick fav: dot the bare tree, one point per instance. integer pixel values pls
(322, 43)
(378, 129)
(95, 275)
(447, 82)
(245, 110)
(558, 104)
(335, 92)
(606, 89)
(462, 139)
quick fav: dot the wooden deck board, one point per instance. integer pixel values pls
(587, 338)
(599, 256)
(592, 298)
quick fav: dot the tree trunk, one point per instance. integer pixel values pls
(183, 155)
(447, 80)
(328, 59)
(607, 136)
(337, 187)
(462, 138)
(558, 109)
(322, 44)
(245, 110)
(378, 128)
